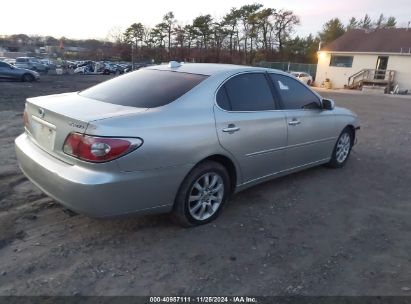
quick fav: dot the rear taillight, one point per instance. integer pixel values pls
(98, 149)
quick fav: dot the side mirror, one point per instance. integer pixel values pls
(328, 104)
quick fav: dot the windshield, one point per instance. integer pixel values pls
(144, 88)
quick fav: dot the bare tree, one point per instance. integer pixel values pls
(168, 25)
(115, 34)
(264, 21)
(245, 13)
(203, 25)
(285, 22)
(230, 22)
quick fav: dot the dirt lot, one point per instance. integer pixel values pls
(318, 232)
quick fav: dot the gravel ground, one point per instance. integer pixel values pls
(317, 232)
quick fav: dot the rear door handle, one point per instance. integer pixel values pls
(294, 122)
(231, 128)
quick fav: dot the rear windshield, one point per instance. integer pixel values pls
(144, 88)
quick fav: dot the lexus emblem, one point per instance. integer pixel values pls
(41, 112)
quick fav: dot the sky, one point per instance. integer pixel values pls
(81, 19)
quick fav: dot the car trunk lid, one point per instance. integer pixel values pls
(51, 118)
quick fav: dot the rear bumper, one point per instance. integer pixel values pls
(96, 193)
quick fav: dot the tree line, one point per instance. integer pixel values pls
(245, 35)
(335, 28)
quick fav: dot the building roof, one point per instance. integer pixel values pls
(396, 40)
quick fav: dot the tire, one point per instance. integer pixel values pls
(202, 208)
(342, 149)
(309, 82)
(27, 77)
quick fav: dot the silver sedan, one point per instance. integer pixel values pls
(178, 138)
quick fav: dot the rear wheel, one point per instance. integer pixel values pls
(342, 149)
(202, 194)
(28, 77)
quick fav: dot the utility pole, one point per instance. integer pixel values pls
(132, 56)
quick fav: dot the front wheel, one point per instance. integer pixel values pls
(202, 194)
(342, 149)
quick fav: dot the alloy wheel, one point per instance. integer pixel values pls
(206, 196)
(343, 147)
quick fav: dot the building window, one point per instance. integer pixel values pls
(341, 61)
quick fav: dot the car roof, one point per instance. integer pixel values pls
(208, 68)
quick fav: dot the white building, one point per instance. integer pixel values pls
(380, 57)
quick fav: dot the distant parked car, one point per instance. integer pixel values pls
(114, 68)
(179, 138)
(92, 68)
(303, 77)
(7, 71)
(48, 63)
(8, 60)
(11, 61)
(31, 63)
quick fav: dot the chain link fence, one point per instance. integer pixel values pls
(290, 67)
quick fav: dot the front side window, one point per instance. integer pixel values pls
(341, 61)
(246, 92)
(144, 88)
(294, 95)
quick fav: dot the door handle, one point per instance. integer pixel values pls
(294, 122)
(231, 128)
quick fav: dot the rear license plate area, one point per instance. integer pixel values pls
(43, 132)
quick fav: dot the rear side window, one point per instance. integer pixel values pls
(246, 92)
(144, 88)
(21, 60)
(294, 95)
